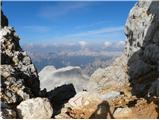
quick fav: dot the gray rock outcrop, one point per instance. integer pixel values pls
(138, 66)
(114, 77)
(142, 48)
(51, 78)
(35, 108)
(19, 78)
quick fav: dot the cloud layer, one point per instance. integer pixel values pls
(61, 9)
(100, 31)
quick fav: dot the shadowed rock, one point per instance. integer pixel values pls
(4, 20)
(142, 48)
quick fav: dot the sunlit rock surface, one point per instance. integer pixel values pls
(35, 108)
(51, 78)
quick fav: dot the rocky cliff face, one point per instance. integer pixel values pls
(19, 78)
(142, 48)
(138, 66)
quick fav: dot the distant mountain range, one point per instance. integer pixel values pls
(88, 57)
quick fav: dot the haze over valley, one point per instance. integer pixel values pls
(88, 56)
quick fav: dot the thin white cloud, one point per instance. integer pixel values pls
(36, 28)
(92, 24)
(107, 44)
(101, 35)
(82, 43)
(100, 31)
(120, 44)
(63, 8)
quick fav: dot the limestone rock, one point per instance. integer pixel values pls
(35, 108)
(138, 66)
(123, 113)
(145, 110)
(83, 98)
(19, 78)
(85, 105)
(137, 109)
(142, 47)
(7, 114)
(13, 87)
(45, 71)
(110, 95)
(114, 77)
(13, 56)
(51, 78)
(14, 68)
(135, 73)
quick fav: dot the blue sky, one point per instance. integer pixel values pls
(68, 22)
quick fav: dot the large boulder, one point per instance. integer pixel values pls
(51, 78)
(35, 108)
